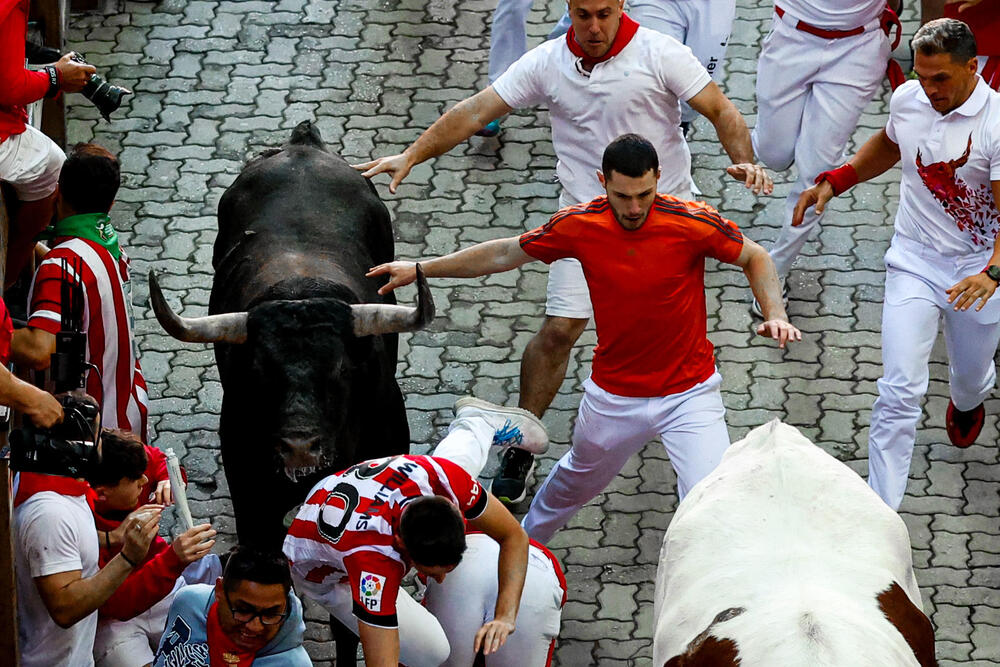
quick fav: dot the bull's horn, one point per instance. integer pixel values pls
(373, 319)
(224, 328)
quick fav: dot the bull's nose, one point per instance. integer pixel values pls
(300, 452)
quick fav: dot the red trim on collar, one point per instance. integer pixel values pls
(626, 31)
(30, 483)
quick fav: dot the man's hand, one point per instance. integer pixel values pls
(400, 274)
(963, 5)
(753, 176)
(967, 291)
(163, 495)
(492, 636)
(45, 410)
(818, 195)
(397, 166)
(116, 537)
(194, 544)
(73, 76)
(779, 330)
(140, 529)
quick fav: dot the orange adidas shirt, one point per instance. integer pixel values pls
(647, 288)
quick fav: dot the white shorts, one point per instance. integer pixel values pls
(567, 294)
(31, 162)
(468, 597)
(132, 642)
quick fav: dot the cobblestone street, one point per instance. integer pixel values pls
(216, 82)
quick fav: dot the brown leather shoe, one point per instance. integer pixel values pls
(964, 427)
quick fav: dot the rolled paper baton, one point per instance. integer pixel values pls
(177, 490)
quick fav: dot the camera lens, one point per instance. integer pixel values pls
(105, 96)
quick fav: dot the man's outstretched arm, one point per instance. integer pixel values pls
(875, 157)
(481, 259)
(455, 126)
(763, 278)
(734, 136)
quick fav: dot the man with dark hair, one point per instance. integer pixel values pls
(250, 616)
(654, 371)
(29, 160)
(131, 621)
(945, 254)
(608, 76)
(86, 252)
(360, 531)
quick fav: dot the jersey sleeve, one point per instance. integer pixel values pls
(718, 237)
(553, 240)
(374, 580)
(472, 497)
(894, 102)
(522, 85)
(45, 309)
(679, 70)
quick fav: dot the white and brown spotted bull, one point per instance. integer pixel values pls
(784, 557)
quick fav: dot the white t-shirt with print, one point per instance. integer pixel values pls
(53, 533)
(635, 91)
(948, 161)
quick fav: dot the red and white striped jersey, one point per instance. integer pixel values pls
(108, 322)
(344, 531)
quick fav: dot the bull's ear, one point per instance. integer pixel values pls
(224, 328)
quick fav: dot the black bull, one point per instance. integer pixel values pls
(308, 374)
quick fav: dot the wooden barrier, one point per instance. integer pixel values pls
(8, 589)
(53, 15)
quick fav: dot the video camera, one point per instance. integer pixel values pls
(68, 449)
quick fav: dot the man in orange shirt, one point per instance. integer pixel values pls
(643, 255)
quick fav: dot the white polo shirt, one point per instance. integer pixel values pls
(53, 533)
(635, 91)
(948, 161)
(834, 14)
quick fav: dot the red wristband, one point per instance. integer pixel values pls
(841, 179)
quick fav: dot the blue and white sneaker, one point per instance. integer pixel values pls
(514, 427)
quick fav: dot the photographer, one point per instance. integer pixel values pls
(39, 406)
(29, 160)
(131, 621)
(84, 238)
(59, 585)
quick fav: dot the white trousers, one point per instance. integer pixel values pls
(133, 642)
(610, 428)
(422, 641)
(915, 282)
(467, 598)
(31, 162)
(810, 93)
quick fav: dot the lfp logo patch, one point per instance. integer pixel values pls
(372, 586)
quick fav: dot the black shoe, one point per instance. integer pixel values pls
(509, 486)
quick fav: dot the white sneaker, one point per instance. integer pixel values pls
(514, 427)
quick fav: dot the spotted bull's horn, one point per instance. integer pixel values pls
(372, 319)
(223, 328)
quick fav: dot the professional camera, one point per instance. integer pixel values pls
(68, 449)
(105, 96)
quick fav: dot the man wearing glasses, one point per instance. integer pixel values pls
(250, 616)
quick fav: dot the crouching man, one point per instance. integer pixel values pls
(131, 621)
(249, 617)
(362, 530)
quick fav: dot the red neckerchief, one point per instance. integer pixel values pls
(30, 483)
(626, 31)
(222, 651)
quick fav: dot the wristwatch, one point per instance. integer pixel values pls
(993, 271)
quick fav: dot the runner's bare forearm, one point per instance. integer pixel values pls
(481, 259)
(512, 567)
(734, 134)
(457, 124)
(877, 156)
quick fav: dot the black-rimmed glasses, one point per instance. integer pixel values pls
(244, 616)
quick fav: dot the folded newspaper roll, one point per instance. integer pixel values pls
(177, 490)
